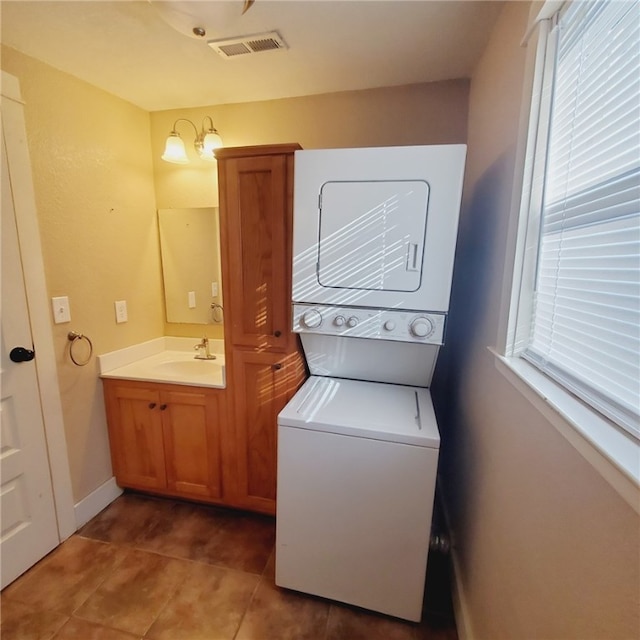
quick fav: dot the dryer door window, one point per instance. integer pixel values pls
(372, 234)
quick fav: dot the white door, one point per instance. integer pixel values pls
(372, 234)
(29, 528)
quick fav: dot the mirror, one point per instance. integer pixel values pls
(190, 250)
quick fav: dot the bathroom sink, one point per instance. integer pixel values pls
(183, 367)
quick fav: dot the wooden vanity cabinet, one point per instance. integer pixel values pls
(167, 438)
(220, 445)
(263, 357)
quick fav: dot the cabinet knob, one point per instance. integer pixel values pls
(277, 334)
(163, 407)
(276, 366)
(152, 405)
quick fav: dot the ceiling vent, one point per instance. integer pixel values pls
(237, 47)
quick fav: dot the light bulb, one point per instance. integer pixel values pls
(174, 150)
(210, 142)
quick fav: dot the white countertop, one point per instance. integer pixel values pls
(169, 360)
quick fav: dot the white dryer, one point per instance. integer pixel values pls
(376, 227)
(374, 236)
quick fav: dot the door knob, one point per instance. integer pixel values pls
(20, 354)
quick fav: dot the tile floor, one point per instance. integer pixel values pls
(167, 570)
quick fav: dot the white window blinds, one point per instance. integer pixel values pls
(586, 313)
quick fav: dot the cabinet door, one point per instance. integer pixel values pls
(264, 383)
(192, 421)
(135, 433)
(255, 225)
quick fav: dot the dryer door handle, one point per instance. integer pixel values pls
(412, 256)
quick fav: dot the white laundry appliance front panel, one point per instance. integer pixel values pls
(376, 227)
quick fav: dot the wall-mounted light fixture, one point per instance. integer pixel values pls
(207, 140)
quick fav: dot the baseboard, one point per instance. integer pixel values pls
(96, 501)
(460, 606)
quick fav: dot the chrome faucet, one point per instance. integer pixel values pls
(203, 350)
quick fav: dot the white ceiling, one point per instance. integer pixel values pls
(129, 49)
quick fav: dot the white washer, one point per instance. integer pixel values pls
(357, 466)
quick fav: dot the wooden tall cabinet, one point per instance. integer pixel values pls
(264, 360)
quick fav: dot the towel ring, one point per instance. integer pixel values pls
(74, 337)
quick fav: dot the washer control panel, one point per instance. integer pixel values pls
(356, 322)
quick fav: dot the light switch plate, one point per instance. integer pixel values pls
(61, 309)
(214, 289)
(192, 299)
(121, 311)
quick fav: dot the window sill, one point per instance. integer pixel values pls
(613, 453)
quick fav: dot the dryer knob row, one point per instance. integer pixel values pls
(421, 327)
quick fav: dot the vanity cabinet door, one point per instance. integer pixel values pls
(192, 423)
(135, 433)
(256, 188)
(263, 383)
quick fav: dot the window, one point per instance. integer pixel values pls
(579, 309)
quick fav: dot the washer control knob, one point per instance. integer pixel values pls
(339, 321)
(389, 325)
(311, 319)
(421, 327)
(352, 322)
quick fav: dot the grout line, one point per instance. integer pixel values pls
(254, 592)
(172, 595)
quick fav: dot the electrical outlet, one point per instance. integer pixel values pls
(121, 311)
(192, 299)
(61, 309)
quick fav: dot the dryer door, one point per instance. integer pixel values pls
(372, 234)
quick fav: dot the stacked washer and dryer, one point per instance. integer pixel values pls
(373, 249)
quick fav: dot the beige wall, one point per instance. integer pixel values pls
(93, 179)
(434, 113)
(545, 547)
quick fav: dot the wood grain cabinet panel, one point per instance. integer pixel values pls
(167, 438)
(192, 424)
(255, 228)
(135, 434)
(263, 384)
